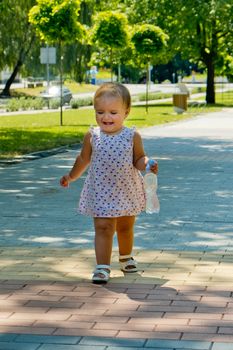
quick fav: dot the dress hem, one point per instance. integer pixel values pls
(94, 215)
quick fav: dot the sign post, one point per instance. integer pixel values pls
(48, 56)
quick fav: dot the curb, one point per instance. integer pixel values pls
(39, 154)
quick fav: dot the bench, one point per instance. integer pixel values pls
(33, 84)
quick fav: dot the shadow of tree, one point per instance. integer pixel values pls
(42, 296)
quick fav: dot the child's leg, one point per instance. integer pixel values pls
(104, 232)
(125, 234)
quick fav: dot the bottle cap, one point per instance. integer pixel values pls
(150, 163)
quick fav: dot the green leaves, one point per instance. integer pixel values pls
(57, 20)
(149, 40)
(110, 29)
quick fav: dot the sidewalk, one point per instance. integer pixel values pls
(182, 296)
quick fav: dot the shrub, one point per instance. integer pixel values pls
(151, 96)
(23, 103)
(13, 105)
(54, 103)
(74, 103)
(38, 103)
(81, 102)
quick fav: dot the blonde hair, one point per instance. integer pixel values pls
(116, 90)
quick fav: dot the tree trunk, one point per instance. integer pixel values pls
(61, 82)
(22, 55)
(6, 91)
(147, 84)
(111, 64)
(210, 90)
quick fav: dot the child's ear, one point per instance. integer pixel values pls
(127, 112)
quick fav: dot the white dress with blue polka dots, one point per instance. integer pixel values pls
(113, 186)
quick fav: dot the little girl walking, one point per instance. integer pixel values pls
(113, 192)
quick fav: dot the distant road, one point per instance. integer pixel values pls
(141, 88)
(137, 88)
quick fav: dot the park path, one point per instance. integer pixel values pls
(182, 296)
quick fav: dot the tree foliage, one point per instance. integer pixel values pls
(110, 32)
(57, 20)
(198, 30)
(110, 29)
(201, 30)
(149, 41)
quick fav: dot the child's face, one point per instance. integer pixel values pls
(110, 114)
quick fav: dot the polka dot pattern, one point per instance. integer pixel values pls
(113, 186)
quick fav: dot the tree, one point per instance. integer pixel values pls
(56, 21)
(150, 42)
(201, 30)
(110, 32)
(16, 37)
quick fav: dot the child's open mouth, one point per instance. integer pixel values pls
(108, 123)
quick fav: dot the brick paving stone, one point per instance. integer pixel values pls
(186, 329)
(222, 346)
(201, 316)
(26, 329)
(135, 314)
(228, 317)
(112, 341)
(17, 346)
(125, 327)
(71, 347)
(26, 338)
(225, 330)
(7, 337)
(149, 335)
(5, 314)
(65, 324)
(82, 312)
(17, 322)
(104, 318)
(129, 348)
(54, 316)
(159, 321)
(208, 337)
(178, 344)
(183, 290)
(218, 323)
(85, 332)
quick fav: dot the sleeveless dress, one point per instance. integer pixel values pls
(113, 186)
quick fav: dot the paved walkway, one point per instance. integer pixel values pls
(182, 296)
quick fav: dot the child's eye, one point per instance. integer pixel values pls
(113, 112)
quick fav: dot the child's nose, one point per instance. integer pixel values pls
(107, 115)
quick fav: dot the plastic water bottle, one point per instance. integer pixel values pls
(151, 185)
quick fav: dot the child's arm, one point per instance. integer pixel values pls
(140, 159)
(81, 163)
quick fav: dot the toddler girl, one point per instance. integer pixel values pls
(113, 192)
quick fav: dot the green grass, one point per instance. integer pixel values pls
(26, 133)
(225, 99)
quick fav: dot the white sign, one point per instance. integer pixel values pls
(48, 55)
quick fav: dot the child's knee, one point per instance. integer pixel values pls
(105, 226)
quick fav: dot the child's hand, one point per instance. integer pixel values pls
(153, 166)
(64, 181)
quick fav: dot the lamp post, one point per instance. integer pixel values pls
(61, 78)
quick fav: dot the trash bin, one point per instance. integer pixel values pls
(180, 102)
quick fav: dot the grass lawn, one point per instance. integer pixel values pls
(26, 133)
